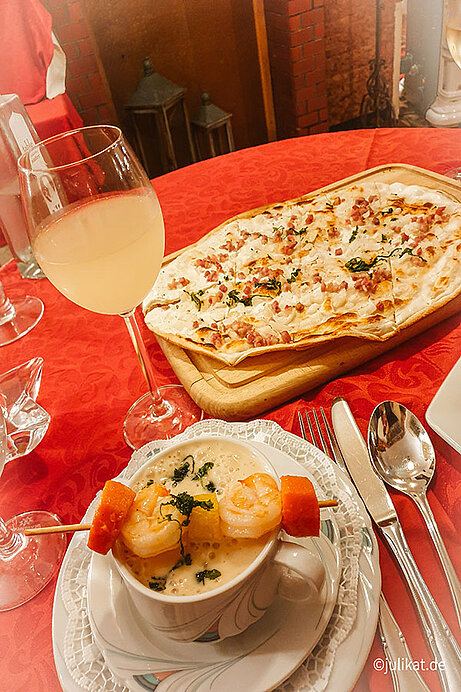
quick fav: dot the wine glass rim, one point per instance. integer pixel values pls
(64, 135)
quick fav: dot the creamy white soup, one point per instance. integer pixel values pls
(194, 567)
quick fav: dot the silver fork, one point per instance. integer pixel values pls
(394, 644)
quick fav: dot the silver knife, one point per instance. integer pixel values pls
(404, 678)
(446, 652)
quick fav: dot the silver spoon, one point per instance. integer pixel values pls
(403, 456)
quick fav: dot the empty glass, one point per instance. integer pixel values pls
(26, 421)
(27, 564)
(17, 134)
(453, 39)
(17, 317)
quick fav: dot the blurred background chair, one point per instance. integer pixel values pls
(34, 67)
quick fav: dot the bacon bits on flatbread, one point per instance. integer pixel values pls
(365, 262)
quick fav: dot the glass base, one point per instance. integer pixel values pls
(141, 426)
(27, 571)
(28, 268)
(28, 311)
(454, 173)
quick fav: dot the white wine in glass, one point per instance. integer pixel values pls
(103, 247)
(453, 24)
(453, 30)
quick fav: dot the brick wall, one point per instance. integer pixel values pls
(85, 82)
(350, 44)
(296, 40)
(319, 55)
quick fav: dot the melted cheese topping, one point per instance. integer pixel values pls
(286, 274)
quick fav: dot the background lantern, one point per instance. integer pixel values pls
(212, 129)
(160, 123)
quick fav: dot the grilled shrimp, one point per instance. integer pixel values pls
(250, 508)
(145, 531)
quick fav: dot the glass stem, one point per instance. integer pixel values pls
(7, 311)
(159, 405)
(10, 543)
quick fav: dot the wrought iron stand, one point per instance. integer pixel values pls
(376, 109)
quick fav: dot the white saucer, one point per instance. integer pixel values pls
(443, 413)
(257, 660)
(262, 657)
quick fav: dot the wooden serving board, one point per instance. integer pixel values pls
(259, 383)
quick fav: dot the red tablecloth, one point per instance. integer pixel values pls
(91, 376)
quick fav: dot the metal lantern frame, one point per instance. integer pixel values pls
(160, 98)
(209, 121)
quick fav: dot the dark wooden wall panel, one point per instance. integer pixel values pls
(198, 44)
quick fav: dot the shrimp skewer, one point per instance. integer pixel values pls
(146, 531)
(251, 507)
(151, 524)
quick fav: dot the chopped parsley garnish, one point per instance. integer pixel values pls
(354, 234)
(190, 456)
(180, 473)
(186, 560)
(383, 238)
(277, 228)
(195, 298)
(184, 503)
(203, 470)
(233, 298)
(301, 231)
(207, 574)
(294, 275)
(329, 205)
(409, 251)
(149, 482)
(271, 285)
(357, 264)
(387, 211)
(201, 473)
(246, 301)
(157, 583)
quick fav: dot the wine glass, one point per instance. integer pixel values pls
(453, 27)
(17, 317)
(102, 247)
(453, 38)
(27, 563)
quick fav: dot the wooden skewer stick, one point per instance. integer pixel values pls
(63, 528)
(68, 528)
